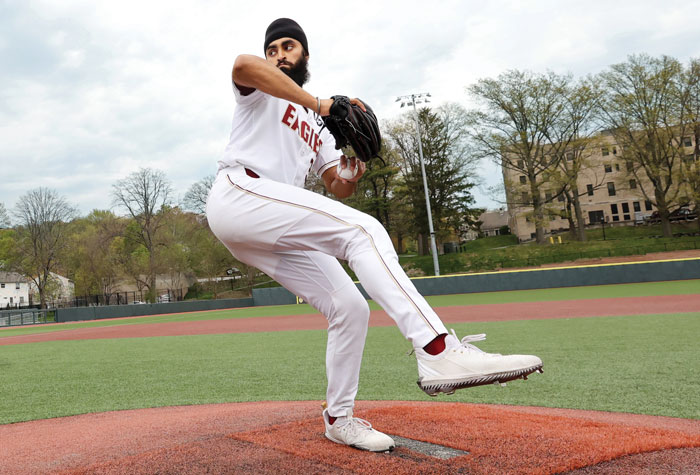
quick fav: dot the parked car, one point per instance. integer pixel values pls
(653, 218)
(683, 213)
(137, 302)
(164, 298)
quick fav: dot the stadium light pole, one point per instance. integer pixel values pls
(413, 99)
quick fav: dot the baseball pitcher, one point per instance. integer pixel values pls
(259, 209)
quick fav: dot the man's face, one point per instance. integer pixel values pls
(289, 56)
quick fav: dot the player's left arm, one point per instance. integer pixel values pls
(343, 187)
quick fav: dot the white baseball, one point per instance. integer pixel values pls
(347, 173)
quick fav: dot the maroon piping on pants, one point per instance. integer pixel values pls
(251, 173)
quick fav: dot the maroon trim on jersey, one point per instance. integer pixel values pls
(364, 231)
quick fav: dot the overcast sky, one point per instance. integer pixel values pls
(91, 91)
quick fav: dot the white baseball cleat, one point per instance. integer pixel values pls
(463, 365)
(357, 433)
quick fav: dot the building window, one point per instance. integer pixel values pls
(608, 168)
(521, 164)
(633, 184)
(548, 196)
(626, 208)
(616, 218)
(613, 208)
(605, 151)
(611, 188)
(523, 179)
(17, 286)
(570, 156)
(637, 207)
(614, 150)
(2, 286)
(647, 205)
(688, 159)
(589, 190)
(560, 197)
(617, 167)
(626, 217)
(687, 142)
(595, 216)
(630, 165)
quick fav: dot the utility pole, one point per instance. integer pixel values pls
(414, 99)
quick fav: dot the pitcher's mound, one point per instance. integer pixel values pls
(287, 437)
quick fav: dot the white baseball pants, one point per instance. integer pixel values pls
(295, 236)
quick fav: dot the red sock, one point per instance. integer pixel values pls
(436, 346)
(331, 419)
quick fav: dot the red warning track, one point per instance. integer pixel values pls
(287, 437)
(468, 313)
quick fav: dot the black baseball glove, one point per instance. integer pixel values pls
(350, 125)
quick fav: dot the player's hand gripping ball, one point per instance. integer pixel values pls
(350, 125)
(348, 171)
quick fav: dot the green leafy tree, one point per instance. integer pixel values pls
(93, 255)
(448, 168)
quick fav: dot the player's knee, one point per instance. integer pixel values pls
(350, 303)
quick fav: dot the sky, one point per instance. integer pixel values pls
(91, 91)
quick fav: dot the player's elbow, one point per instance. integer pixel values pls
(242, 67)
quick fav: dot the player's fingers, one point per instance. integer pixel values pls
(343, 161)
(358, 102)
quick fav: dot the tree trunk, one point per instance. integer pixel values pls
(399, 243)
(662, 208)
(580, 220)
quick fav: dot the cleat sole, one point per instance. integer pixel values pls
(433, 389)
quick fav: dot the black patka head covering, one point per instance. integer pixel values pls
(285, 28)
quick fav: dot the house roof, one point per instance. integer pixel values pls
(493, 219)
(14, 277)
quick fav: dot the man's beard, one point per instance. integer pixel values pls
(299, 73)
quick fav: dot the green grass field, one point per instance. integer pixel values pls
(644, 364)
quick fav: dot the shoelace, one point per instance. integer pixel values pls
(466, 342)
(353, 424)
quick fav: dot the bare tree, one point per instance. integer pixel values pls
(196, 197)
(572, 138)
(514, 126)
(145, 194)
(4, 218)
(646, 112)
(42, 217)
(690, 164)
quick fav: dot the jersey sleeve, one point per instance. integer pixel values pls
(255, 96)
(327, 156)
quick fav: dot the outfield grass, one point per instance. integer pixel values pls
(643, 364)
(678, 287)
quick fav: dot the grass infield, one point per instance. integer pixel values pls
(643, 364)
(680, 287)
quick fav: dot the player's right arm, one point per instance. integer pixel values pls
(252, 72)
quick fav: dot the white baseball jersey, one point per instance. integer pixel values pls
(278, 140)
